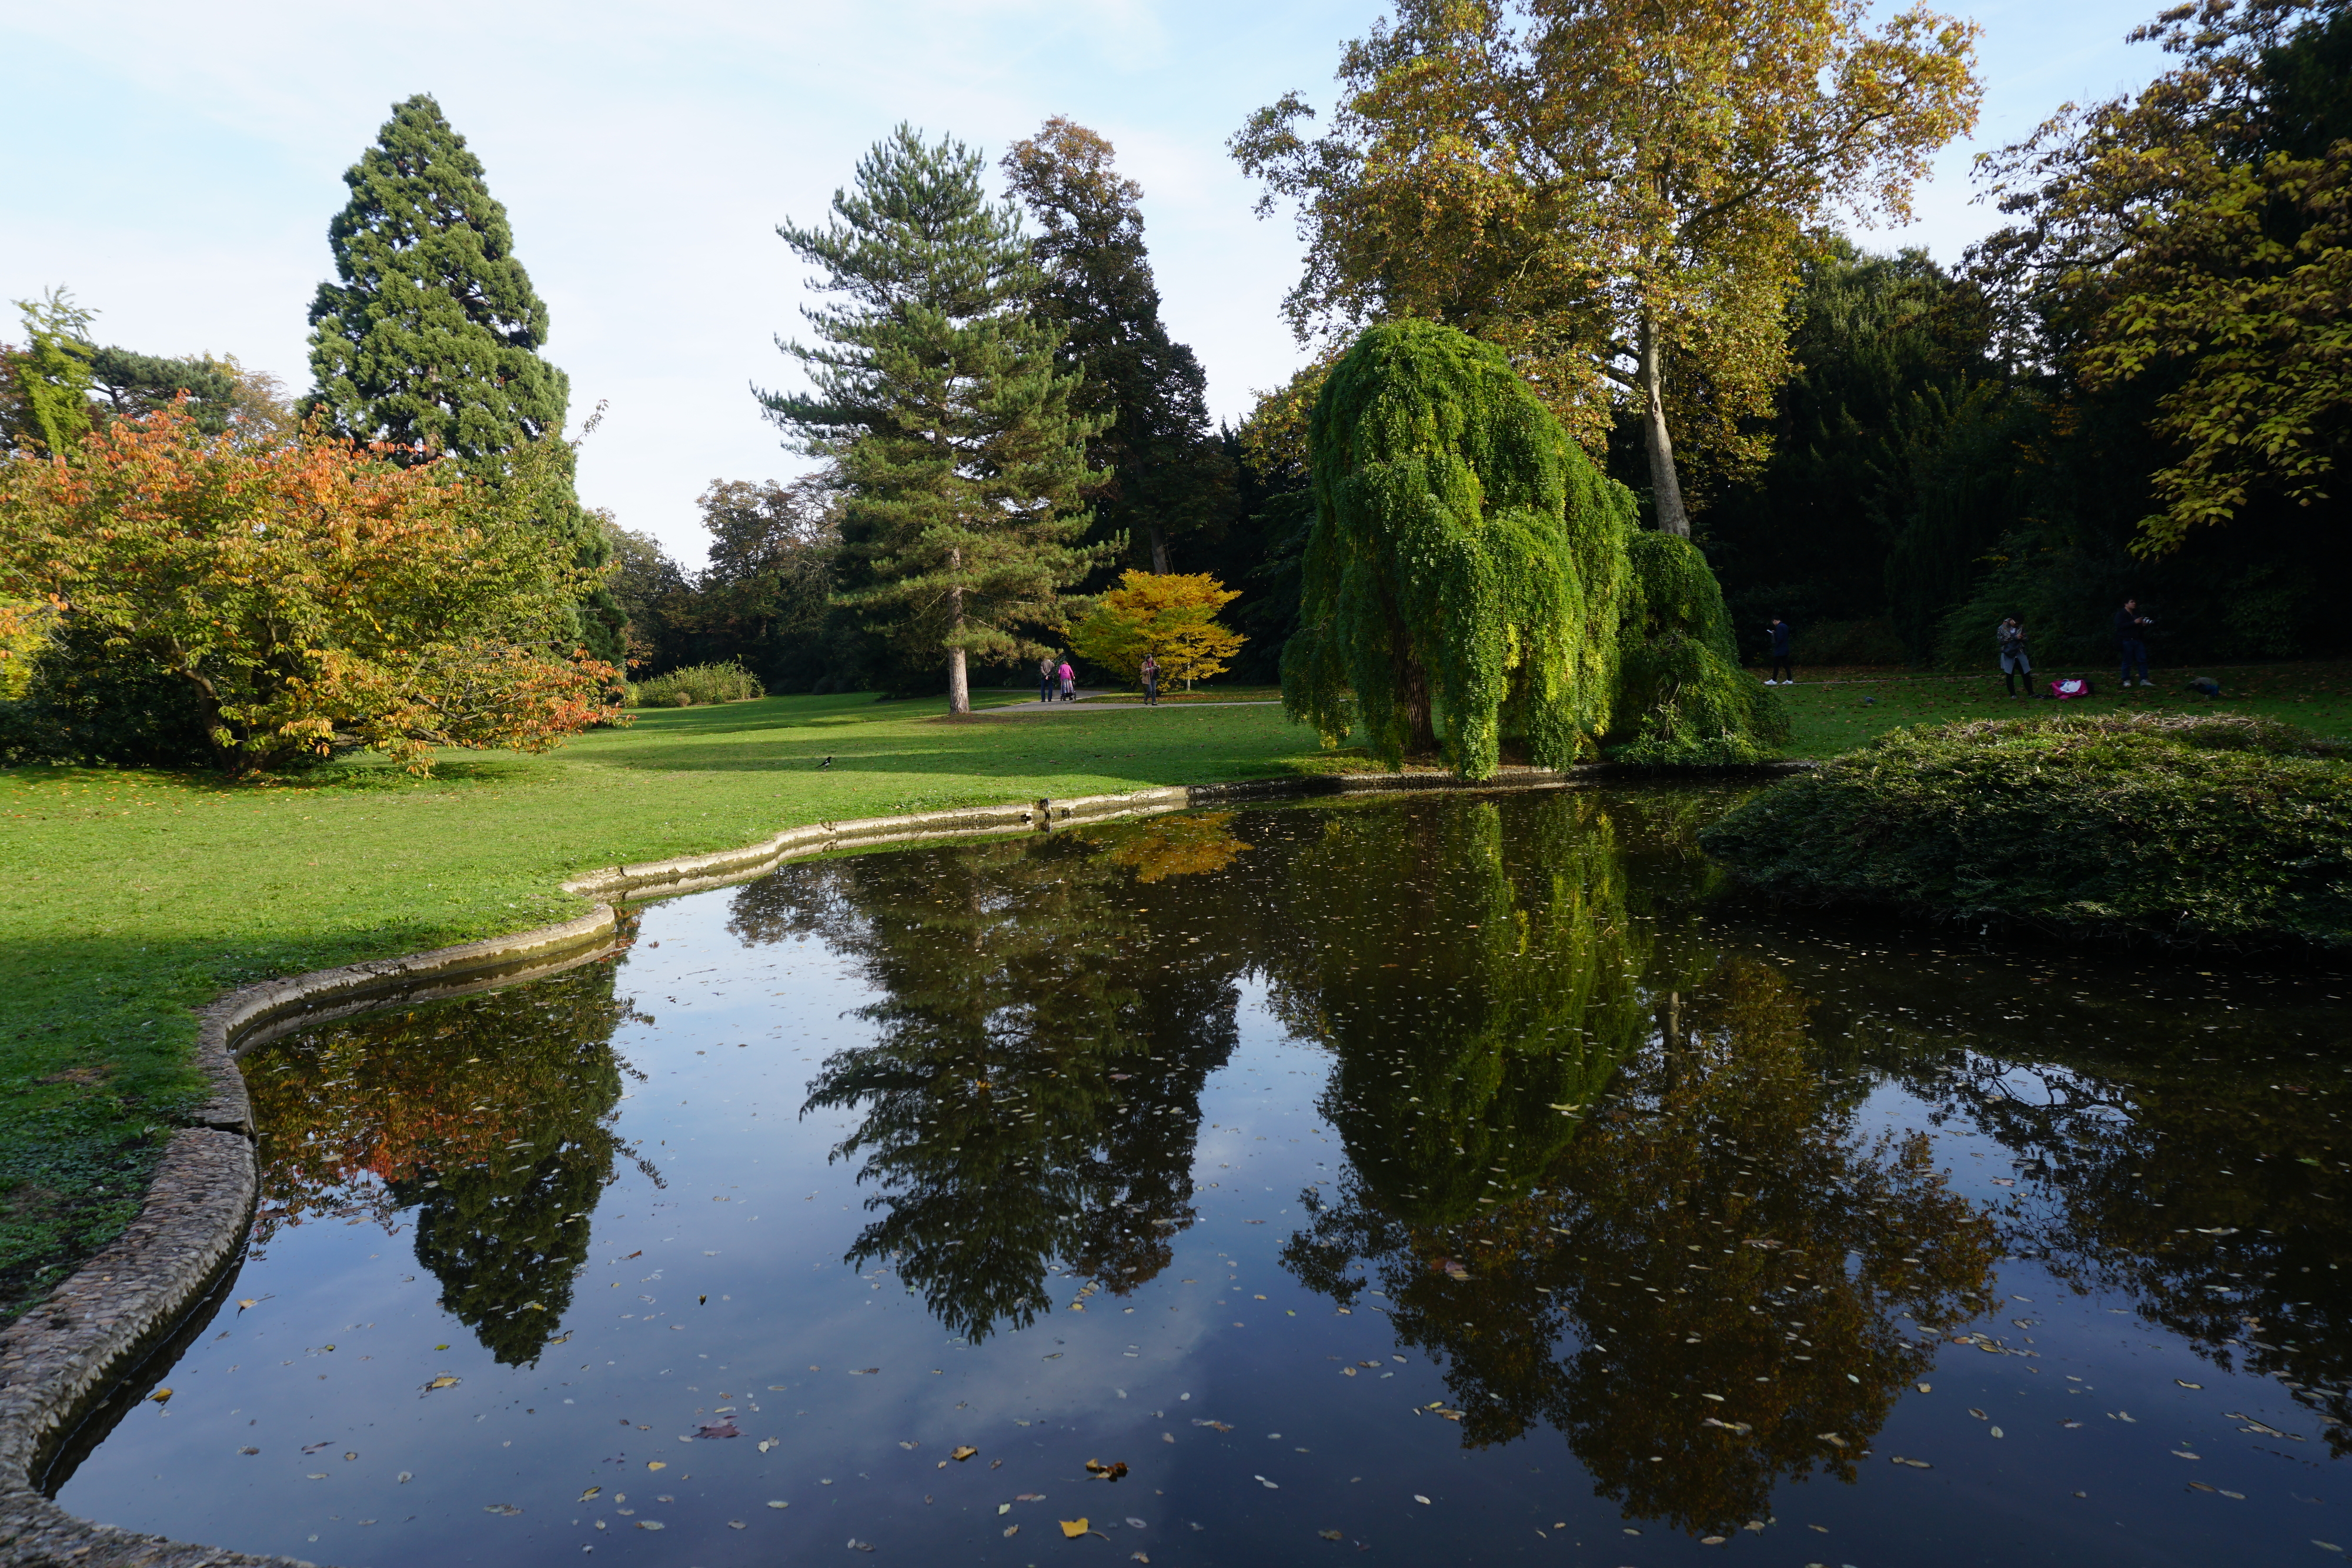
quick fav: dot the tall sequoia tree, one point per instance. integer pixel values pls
(962, 457)
(1616, 192)
(1170, 477)
(429, 337)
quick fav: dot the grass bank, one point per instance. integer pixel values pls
(1834, 710)
(130, 897)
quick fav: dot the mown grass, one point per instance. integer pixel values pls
(1835, 710)
(131, 897)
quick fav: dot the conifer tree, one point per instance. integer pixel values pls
(429, 337)
(962, 460)
(1169, 476)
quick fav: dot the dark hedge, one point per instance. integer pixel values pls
(2180, 828)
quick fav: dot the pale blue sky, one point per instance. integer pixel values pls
(176, 165)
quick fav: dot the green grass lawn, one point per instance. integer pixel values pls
(1834, 710)
(130, 897)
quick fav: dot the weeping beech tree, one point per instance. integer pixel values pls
(1462, 572)
(1468, 573)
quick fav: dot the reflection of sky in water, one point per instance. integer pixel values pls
(1311, 1162)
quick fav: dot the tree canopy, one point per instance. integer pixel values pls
(936, 392)
(1168, 476)
(1616, 193)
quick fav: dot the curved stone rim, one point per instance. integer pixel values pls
(59, 1360)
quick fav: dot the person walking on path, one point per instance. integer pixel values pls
(1069, 683)
(2131, 638)
(1045, 679)
(2015, 662)
(1151, 674)
(1783, 673)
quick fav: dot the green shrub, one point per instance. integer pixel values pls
(2182, 828)
(697, 685)
(1679, 684)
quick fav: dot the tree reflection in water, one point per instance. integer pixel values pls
(1663, 1273)
(488, 1116)
(2206, 1185)
(1032, 1092)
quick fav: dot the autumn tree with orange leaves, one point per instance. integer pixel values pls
(307, 598)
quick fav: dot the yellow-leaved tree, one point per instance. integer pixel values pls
(1615, 193)
(1172, 616)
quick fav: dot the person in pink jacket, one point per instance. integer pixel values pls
(1069, 683)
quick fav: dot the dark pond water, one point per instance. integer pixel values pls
(1435, 1181)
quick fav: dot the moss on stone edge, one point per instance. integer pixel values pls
(2176, 828)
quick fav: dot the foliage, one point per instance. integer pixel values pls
(961, 456)
(1169, 479)
(428, 340)
(2177, 828)
(49, 379)
(303, 600)
(1679, 681)
(1617, 193)
(1461, 581)
(25, 627)
(728, 682)
(135, 385)
(1172, 618)
(2196, 232)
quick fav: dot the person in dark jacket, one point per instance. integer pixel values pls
(1783, 673)
(2014, 658)
(2131, 638)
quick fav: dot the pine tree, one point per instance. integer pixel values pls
(962, 460)
(1169, 476)
(430, 338)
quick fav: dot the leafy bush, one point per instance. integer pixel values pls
(2175, 827)
(695, 685)
(292, 601)
(1680, 688)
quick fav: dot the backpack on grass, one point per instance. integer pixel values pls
(2073, 686)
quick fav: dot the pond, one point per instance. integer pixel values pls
(1084, 1195)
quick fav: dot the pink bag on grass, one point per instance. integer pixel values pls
(2073, 686)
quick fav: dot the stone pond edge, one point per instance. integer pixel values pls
(59, 1360)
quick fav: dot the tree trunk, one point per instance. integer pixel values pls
(1420, 733)
(1666, 484)
(1159, 549)
(958, 682)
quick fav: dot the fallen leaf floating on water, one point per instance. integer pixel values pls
(1332, 1535)
(248, 1450)
(1073, 1528)
(1135, 1523)
(777, 1504)
(1011, 1531)
(1220, 1426)
(1110, 1472)
(904, 1443)
(506, 1509)
(655, 1465)
(2186, 1383)
(717, 1429)
(1265, 1483)
(591, 1492)
(767, 1443)
(1978, 1413)
(961, 1451)
(864, 1370)
(444, 1381)
(2002, 1181)
(160, 1395)
(857, 1545)
(1421, 1500)
(1914, 1464)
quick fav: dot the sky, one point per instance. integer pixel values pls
(176, 167)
